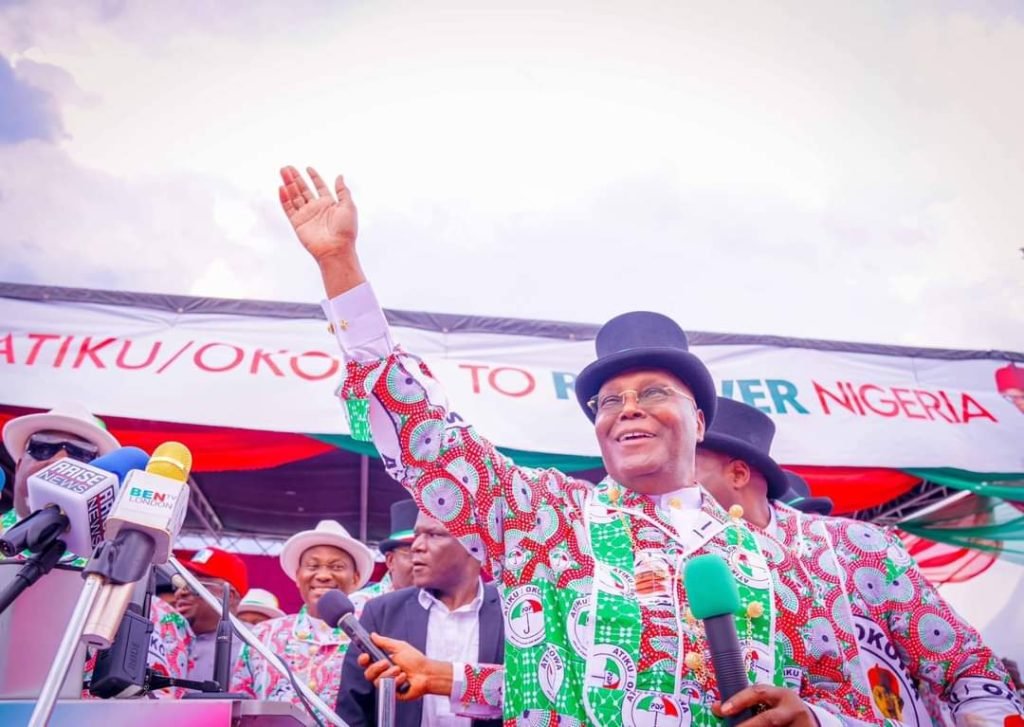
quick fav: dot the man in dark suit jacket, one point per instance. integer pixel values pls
(448, 598)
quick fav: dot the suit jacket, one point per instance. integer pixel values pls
(399, 615)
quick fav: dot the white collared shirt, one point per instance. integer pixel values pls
(452, 636)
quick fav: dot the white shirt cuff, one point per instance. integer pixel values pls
(359, 324)
(824, 717)
(458, 680)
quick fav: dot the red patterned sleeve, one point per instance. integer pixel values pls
(942, 649)
(480, 692)
(454, 474)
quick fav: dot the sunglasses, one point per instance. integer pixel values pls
(42, 451)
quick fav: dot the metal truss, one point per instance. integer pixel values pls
(924, 496)
(243, 543)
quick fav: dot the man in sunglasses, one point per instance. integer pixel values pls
(37, 440)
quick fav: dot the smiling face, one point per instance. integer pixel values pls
(324, 568)
(649, 448)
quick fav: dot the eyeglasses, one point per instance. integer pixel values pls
(41, 451)
(645, 399)
(214, 587)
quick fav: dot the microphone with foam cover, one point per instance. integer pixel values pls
(714, 599)
(72, 500)
(338, 611)
(141, 530)
(155, 502)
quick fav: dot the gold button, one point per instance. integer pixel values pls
(693, 660)
(755, 610)
(675, 503)
(736, 511)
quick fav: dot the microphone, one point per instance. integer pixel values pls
(711, 590)
(141, 528)
(338, 611)
(155, 502)
(71, 500)
(222, 651)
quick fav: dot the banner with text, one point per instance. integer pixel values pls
(832, 408)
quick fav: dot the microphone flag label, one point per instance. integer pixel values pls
(73, 476)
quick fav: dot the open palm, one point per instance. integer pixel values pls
(325, 226)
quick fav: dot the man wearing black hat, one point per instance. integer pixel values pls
(397, 554)
(879, 611)
(590, 576)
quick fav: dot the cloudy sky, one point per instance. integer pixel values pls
(832, 170)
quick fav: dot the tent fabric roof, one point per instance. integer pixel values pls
(446, 323)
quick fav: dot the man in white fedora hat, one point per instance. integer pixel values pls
(258, 605)
(319, 560)
(37, 440)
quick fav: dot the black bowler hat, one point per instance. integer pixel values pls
(643, 340)
(798, 496)
(746, 433)
(403, 522)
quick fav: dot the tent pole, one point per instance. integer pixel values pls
(364, 494)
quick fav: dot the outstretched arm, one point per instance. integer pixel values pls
(454, 474)
(942, 649)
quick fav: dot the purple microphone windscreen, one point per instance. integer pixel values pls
(333, 605)
(121, 461)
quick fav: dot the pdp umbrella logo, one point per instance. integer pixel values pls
(749, 569)
(651, 709)
(611, 667)
(760, 664)
(551, 673)
(524, 616)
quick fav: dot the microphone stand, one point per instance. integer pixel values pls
(123, 560)
(68, 645)
(34, 568)
(273, 659)
(221, 659)
(386, 702)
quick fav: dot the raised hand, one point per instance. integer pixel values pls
(325, 226)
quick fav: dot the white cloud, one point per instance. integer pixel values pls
(801, 169)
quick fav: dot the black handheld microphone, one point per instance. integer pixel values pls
(711, 590)
(337, 610)
(222, 653)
